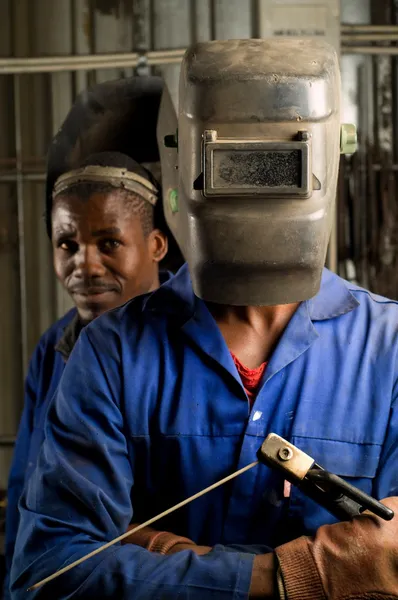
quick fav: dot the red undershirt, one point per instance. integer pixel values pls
(251, 378)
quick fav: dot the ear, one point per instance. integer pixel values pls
(158, 244)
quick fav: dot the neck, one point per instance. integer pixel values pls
(252, 332)
(252, 315)
(155, 283)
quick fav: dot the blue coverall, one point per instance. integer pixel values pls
(150, 409)
(45, 369)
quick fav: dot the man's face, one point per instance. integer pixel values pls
(101, 255)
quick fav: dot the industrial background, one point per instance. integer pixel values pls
(50, 50)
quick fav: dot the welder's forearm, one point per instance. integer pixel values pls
(263, 574)
(263, 577)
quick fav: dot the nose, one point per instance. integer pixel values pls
(88, 263)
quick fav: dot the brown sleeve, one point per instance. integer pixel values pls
(300, 575)
(163, 541)
(156, 541)
(142, 537)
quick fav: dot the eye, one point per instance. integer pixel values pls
(109, 245)
(68, 246)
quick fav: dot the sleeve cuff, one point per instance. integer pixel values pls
(301, 580)
(244, 577)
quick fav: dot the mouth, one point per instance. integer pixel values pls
(93, 294)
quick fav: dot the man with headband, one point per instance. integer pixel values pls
(107, 244)
(178, 389)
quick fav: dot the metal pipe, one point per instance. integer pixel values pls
(121, 63)
(93, 58)
(14, 177)
(371, 50)
(52, 64)
(124, 60)
(21, 222)
(369, 37)
(355, 28)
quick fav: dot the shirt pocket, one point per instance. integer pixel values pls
(357, 463)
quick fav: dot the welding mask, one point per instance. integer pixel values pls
(115, 116)
(250, 170)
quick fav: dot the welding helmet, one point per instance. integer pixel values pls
(114, 116)
(250, 168)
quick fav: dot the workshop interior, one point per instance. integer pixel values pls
(52, 51)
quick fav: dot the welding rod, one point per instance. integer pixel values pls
(141, 526)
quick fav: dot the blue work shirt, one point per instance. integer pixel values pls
(150, 409)
(45, 369)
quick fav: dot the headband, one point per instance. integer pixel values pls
(117, 178)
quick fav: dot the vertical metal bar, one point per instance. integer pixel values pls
(58, 16)
(11, 367)
(92, 75)
(193, 21)
(142, 26)
(233, 19)
(109, 36)
(141, 33)
(356, 202)
(200, 16)
(152, 24)
(361, 174)
(385, 258)
(171, 31)
(125, 27)
(255, 18)
(21, 223)
(80, 29)
(394, 182)
(342, 237)
(213, 34)
(395, 87)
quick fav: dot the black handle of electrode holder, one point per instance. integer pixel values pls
(336, 495)
(339, 497)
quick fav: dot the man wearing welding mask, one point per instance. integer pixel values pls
(177, 389)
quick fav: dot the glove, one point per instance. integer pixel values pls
(354, 560)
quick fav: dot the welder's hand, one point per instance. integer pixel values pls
(354, 560)
(162, 542)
